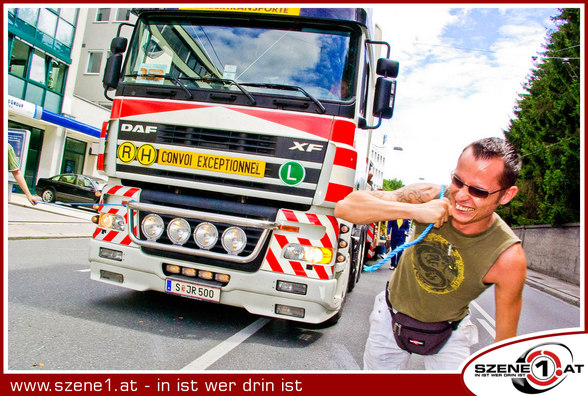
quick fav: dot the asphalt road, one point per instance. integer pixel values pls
(58, 319)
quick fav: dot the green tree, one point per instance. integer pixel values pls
(546, 131)
(392, 184)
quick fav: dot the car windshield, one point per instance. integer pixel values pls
(315, 61)
(99, 182)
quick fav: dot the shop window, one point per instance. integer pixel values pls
(74, 155)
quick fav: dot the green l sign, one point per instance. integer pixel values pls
(292, 173)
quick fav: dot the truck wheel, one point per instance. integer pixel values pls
(48, 195)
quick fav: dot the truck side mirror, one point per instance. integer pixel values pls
(112, 71)
(384, 98)
(387, 68)
(118, 46)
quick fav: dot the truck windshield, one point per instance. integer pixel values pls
(313, 61)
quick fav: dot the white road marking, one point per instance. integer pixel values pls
(84, 270)
(489, 318)
(488, 328)
(207, 359)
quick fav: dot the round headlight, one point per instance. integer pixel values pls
(234, 240)
(152, 227)
(205, 235)
(178, 231)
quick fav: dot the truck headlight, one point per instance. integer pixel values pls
(178, 231)
(234, 240)
(205, 235)
(311, 254)
(152, 227)
(111, 221)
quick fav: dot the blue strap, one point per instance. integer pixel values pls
(79, 204)
(398, 249)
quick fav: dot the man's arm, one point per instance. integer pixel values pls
(508, 275)
(411, 202)
(18, 176)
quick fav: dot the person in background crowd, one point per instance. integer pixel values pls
(397, 232)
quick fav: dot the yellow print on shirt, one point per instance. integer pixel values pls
(438, 266)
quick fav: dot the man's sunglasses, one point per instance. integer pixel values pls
(474, 191)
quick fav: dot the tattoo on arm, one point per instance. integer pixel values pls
(416, 193)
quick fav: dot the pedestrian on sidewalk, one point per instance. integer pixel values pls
(469, 249)
(14, 168)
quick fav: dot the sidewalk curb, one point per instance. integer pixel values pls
(570, 299)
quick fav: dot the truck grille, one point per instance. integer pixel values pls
(217, 140)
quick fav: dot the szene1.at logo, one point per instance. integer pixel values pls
(539, 369)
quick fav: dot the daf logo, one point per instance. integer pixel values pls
(307, 147)
(138, 128)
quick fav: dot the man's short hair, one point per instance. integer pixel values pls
(495, 147)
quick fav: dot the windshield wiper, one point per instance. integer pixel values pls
(288, 88)
(223, 81)
(165, 77)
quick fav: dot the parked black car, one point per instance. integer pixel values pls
(70, 188)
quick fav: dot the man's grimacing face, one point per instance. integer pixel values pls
(470, 214)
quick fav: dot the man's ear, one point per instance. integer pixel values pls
(508, 195)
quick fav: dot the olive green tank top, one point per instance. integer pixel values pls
(437, 278)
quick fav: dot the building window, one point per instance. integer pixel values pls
(69, 14)
(47, 22)
(123, 14)
(65, 33)
(74, 155)
(38, 71)
(28, 15)
(57, 76)
(19, 60)
(49, 29)
(103, 15)
(35, 76)
(94, 62)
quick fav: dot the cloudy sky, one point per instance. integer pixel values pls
(460, 72)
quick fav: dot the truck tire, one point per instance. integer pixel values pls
(356, 258)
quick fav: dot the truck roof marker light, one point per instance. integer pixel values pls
(288, 228)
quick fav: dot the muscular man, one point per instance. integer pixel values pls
(469, 249)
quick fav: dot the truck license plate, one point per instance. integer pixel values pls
(192, 290)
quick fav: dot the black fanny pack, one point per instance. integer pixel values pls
(423, 338)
